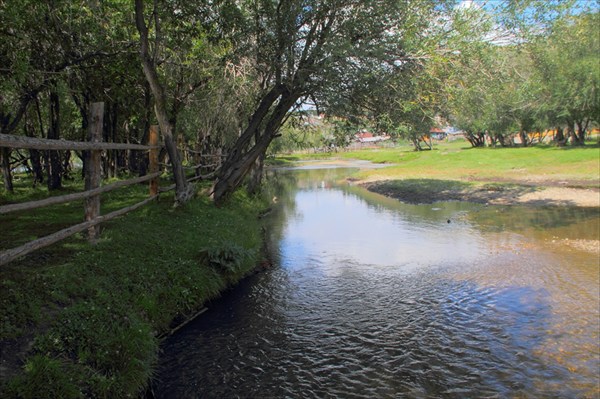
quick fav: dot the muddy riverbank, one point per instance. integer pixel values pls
(422, 191)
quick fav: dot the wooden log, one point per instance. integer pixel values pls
(24, 206)
(93, 173)
(11, 141)
(187, 321)
(153, 158)
(12, 254)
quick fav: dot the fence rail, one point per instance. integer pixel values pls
(14, 253)
(25, 206)
(32, 143)
(92, 192)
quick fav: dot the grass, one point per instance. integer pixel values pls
(458, 161)
(91, 316)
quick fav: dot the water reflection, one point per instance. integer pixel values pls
(337, 225)
(374, 298)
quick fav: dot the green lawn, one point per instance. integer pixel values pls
(458, 161)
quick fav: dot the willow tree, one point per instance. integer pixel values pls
(571, 88)
(182, 189)
(308, 49)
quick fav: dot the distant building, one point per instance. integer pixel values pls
(368, 137)
(437, 134)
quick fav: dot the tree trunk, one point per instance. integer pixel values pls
(183, 191)
(524, 138)
(36, 165)
(34, 155)
(239, 160)
(108, 156)
(416, 144)
(234, 174)
(54, 166)
(256, 174)
(571, 134)
(66, 165)
(6, 172)
(581, 131)
(429, 143)
(476, 139)
(559, 137)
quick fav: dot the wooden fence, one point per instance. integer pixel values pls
(93, 187)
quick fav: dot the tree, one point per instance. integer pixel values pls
(569, 63)
(304, 49)
(63, 54)
(183, 191)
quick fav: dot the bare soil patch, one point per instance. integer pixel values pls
(492, 193)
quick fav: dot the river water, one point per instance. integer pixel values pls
(372, 298)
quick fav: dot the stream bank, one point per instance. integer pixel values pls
(427, 191)
(83, 321)
(375, 296)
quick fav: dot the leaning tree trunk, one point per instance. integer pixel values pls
(183, 191)
(232, 176)
(416, 144)
(256, 174)
(239, 161)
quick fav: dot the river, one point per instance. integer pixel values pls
(372, 298)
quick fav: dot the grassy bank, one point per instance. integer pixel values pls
(458, 161)
(85, 320)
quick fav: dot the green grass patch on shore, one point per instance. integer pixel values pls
(90, 315)
(457, 161)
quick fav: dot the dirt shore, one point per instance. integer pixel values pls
(492, 193)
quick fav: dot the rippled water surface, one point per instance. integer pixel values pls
(371, 298)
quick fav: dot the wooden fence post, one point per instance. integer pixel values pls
(153, 158)
(93, 174)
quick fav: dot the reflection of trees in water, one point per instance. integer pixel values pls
(284, 184)
(540, 222)
(428, 214)
(281, 187)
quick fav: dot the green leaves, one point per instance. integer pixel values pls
(229, 257)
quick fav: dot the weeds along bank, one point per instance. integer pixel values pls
(86, 320)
